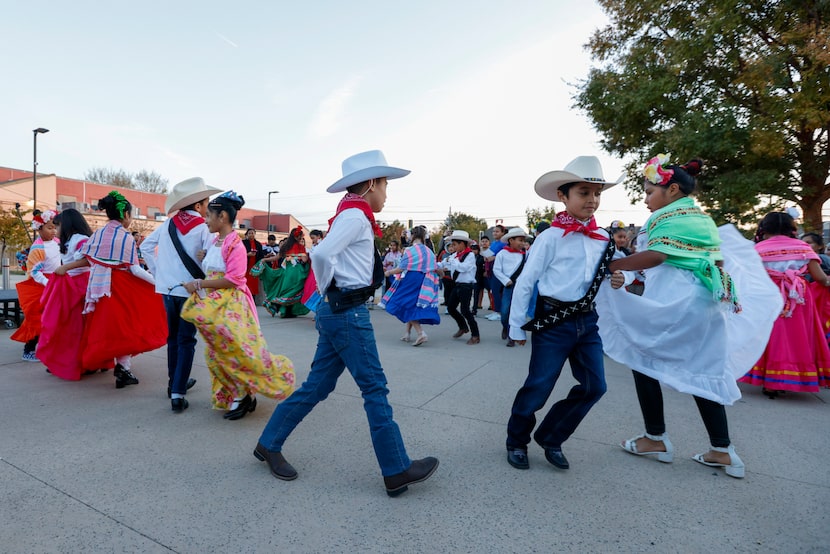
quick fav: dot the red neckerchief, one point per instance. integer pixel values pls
(569, 223)
(463, 253)
(186, 222)
(352, 200)
(507, 248)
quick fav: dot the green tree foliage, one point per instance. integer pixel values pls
(14, 234)
(743, 84)
(147, 181)
(464, 222)
(391, 231)
(537, 215)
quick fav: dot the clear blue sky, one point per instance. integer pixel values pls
(473, 96)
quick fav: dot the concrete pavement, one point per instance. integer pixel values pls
(88, 468)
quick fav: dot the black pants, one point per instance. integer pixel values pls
(31, 345)
(650, 396)
(462, 295)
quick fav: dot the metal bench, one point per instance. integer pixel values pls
(10, 312)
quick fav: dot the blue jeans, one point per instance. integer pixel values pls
(576, 340)
(181, 344)
(506, 300)
(345, 340)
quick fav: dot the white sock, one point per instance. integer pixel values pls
(176, 395)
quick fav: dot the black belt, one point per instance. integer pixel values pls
(558, 305)
(341, 300)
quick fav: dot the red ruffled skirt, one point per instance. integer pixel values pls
(62, 326)
(130, 321)
(29, 294)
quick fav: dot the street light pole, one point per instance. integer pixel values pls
(36, 132)
(269, 208)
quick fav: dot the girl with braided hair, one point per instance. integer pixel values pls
(124, 315)
(687, 330)
(284, 285)
(796, 357)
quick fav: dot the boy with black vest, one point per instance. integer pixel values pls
(568, 262)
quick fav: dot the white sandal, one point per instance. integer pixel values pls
(422, 338)
(735, 468)
(666, 457)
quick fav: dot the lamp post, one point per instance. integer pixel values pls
(36, 132)
(269, 207)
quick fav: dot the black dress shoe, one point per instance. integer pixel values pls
(420, 470)
(555, 456)
(179, 404)
(517, 457)
(190, 383)
(124, 377)
(503, 334)
(246, 405)
(280, 468)
(510, 343)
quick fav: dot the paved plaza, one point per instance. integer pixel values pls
(88, 468)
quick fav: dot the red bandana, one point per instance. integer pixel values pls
(508, 249)
(569, 223)
(352, 200)
(186, 222)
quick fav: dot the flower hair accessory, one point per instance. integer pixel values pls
(229, 196)
(654, 171)
(617, 224)
(297, 232)
(43, 218)
(120, 202)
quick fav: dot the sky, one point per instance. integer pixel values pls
(474, 97)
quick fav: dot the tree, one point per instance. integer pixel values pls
(745, 85)
(537, 215)
(147, 181)
(391, 231)
(14, 234)
(460, 221)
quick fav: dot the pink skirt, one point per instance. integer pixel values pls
(797, 357)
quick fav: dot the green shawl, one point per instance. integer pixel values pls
(690, 239)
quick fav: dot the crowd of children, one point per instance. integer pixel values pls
(680, 301)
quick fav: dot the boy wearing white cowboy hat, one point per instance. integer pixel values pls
(568, 263)
(179, 241)
(348, 270)
(507, 267)
(462, 267)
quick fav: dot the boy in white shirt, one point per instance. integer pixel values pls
(507, 267)
(568, 262)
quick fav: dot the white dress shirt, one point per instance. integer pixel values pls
(346, 254)
(466, 269)
(164, 262)
(564, 267)
(506, 264)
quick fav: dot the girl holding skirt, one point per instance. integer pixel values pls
(222, 309)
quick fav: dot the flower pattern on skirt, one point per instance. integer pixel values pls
(236, 352)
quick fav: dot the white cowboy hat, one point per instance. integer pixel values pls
(363, 167)
(513, 233)
(583, 169)
(460, 235)
(188, 192)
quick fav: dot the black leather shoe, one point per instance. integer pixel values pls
(246, 405)
(179, 404)
(123, 377)
(555, 456)
(420, 470)
(190, 383)
(517, 457)
(510, 343)
(280, 468)
(503, 333)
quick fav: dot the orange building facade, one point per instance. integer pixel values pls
(53, 192)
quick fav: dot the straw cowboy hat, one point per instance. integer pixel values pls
(363, 167)
(583, 169)
(188, 192)
(513, 233)
(460, 235)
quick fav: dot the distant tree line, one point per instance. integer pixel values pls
(147, 181)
